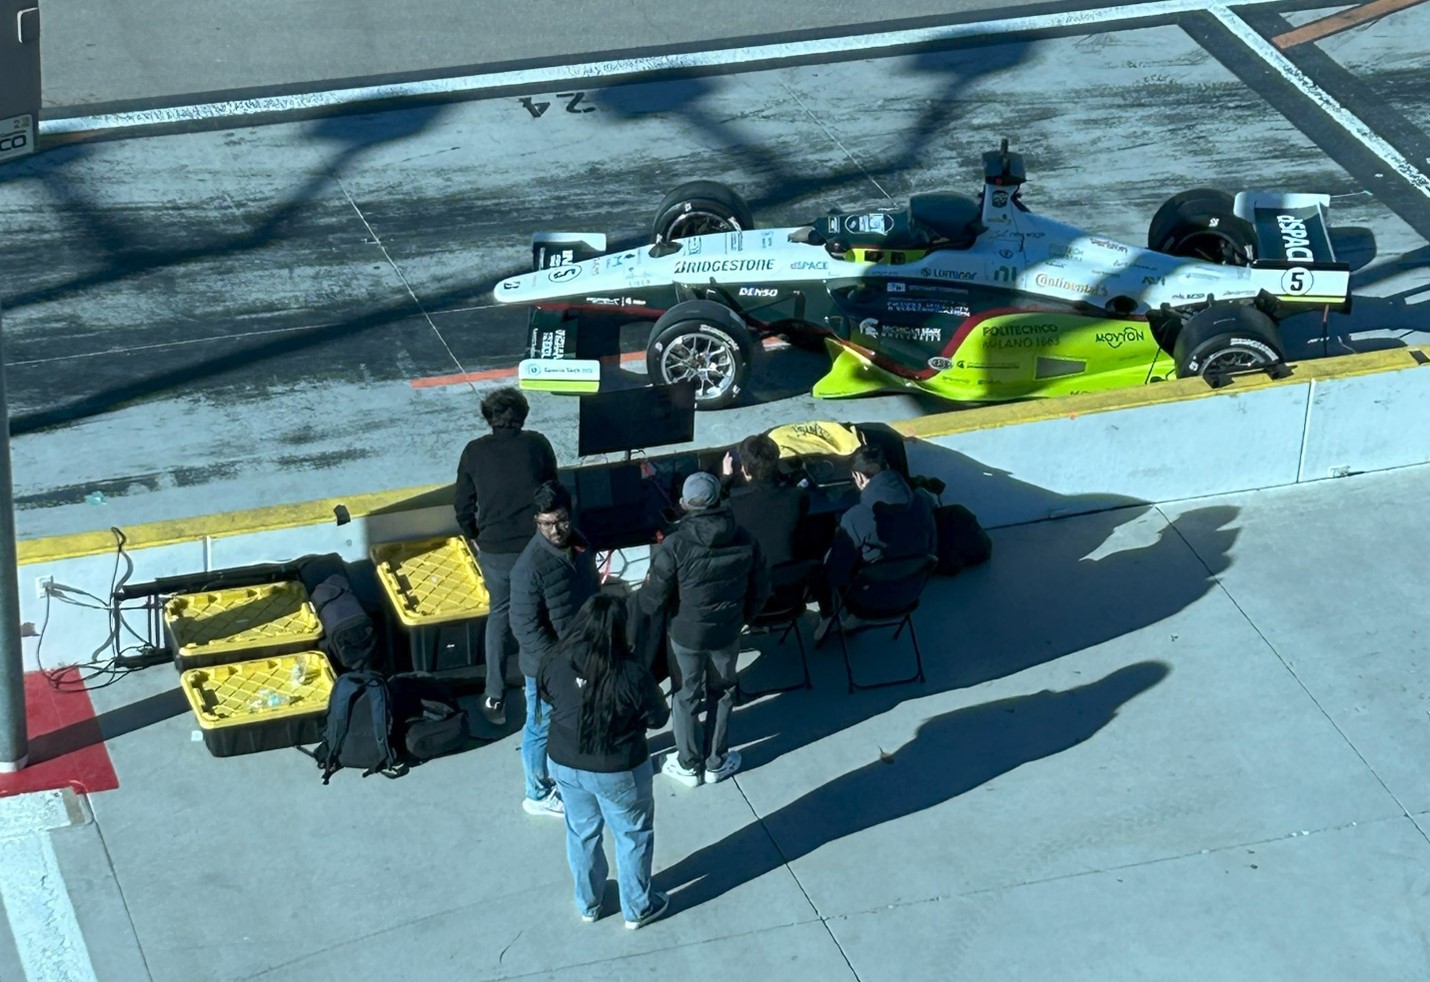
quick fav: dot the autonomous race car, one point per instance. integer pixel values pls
(968, 300)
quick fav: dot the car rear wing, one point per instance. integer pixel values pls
(1295, 261)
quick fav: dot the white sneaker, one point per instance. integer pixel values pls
(659, 905)
(728, 769)
(550, 807)
(672, 769)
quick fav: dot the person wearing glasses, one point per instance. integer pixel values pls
(554, 575)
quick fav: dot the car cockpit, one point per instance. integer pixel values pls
(933, 220)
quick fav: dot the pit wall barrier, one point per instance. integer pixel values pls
(1011, 464)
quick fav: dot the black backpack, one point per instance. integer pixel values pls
(961, 540)
(428, 721)
(357, 732)
(349, 637)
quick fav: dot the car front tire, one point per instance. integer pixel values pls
(701, 208)
(706, 343)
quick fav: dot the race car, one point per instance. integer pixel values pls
(965, 299)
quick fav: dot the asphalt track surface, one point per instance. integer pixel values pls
(209, 318)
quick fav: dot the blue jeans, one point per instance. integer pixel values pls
(625, 801)
(533, 744)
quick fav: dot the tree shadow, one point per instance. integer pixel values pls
(951, 754)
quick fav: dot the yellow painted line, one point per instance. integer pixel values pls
(1342, 21)
(229, 524)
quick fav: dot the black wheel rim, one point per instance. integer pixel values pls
(1234, 360)
(696, 222)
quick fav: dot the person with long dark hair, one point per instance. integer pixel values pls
(603, 700)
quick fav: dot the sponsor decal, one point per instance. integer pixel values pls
(1294, 240)
(725, 266)
(613, 262)
(616, 301)
(1006, 253)
(1005, 274)
(552, 344)
(872, 255)
(900, 332)
(1109, 245)
(810, 264)
(735, 242)
(926, 307)
(939, 364)
(1058, 283)
(878, 222)
(1297, 281)
(1000, 199)
(511, 284)
(560, 273)
(894, 287)
(694, 247)
(758, 291)
(1064, 252)
(1116, 339)
(767, 239)
(1020, 334)
(1154, 281)
(947, 274)
(1019, 327)
(1189, 296)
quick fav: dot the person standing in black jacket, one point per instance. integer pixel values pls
(555, 575)
(603, 701)
(497, 478)
(713, 573)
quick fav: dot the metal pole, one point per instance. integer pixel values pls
(14, 735)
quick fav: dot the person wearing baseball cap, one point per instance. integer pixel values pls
(712, 573)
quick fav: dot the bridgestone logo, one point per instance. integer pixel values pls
(726, 266)
(1294, 241)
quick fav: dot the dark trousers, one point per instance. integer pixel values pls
(707, 684)
(496, 571)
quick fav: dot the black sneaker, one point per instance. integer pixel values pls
(494, 710)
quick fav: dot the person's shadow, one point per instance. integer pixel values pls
(951, 754)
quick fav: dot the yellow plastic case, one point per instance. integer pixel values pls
(432, 581)
(263, 704)
(240, 623)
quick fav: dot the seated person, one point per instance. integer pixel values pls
(890, 521)
(774, 511)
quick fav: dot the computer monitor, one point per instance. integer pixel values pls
(631, 419)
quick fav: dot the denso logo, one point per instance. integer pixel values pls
(1294, 240)
(758, 291)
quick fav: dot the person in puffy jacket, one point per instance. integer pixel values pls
(554, 575)
(603, 700)
(890, 521)
(711, 574)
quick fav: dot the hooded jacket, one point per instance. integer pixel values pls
(891, 521)
(714, 575)
(639, 706)
(548, 587)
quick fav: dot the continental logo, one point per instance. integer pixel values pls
(725, 266)
(1058, 283)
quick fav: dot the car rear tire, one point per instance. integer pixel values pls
(1226, 338)
(706, 343)
(701, 208)
(1202, 224)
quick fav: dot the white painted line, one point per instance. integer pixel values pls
(563, 74)
(37, 902)
(1349, 121)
